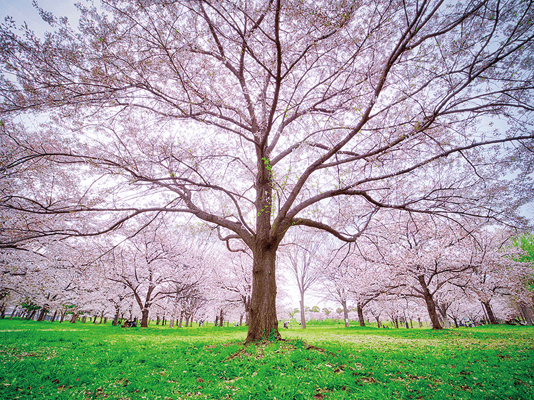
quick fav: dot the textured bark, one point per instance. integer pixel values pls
(263, 320)
(489, 313)
(144, 318)
(360, 314)
(430, 304)
(526, 313)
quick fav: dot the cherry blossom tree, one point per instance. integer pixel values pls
(255, 117)
(301, 256)
(152, 265)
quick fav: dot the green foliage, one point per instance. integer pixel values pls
(526, 243)
(30, 306)
(86, 361)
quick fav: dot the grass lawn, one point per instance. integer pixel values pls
(46, 360)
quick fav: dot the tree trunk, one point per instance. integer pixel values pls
(41, 315)
(181, 319)
(302, 312)
(430, 304)
(221, 318)
(526, 313)
(116, 318)
(345, 313)
(360, 314)
(442, 308)
(489, 312)
(263, 320)
(157, 320)
(73, 318)
(144, 318)
(216, 320)
(13, 312)
(378, 322)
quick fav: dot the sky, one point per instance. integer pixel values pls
(22, 10)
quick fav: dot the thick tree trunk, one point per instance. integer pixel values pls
(221, 317)
(378, 325)
(263, 320)
(489, 312)
(430, 304)
(73, 318)
(526, 313)
(157, 320)
(144, 318)
(360, 314)
(116, 318)
(345, 313)
(216, 320)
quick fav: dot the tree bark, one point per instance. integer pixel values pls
(526, 313)
(263, 320)
(144, 318)
(489, 312)
(73, 318)
(430, 304)
(360, 314)
(116, 318)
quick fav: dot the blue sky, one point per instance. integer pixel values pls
(22, 10)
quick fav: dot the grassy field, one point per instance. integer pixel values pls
(44, 360)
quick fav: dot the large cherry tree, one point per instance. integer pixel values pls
(258, 116)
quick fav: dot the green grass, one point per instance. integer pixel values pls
(46, 360)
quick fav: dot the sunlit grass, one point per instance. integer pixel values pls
(85, 361)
